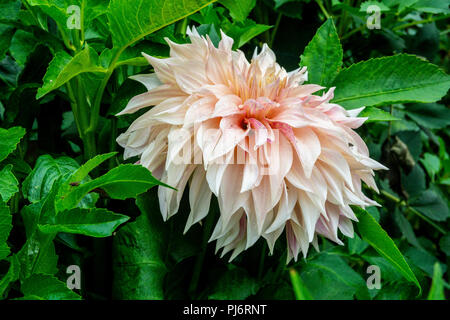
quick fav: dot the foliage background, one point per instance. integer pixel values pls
(60, 89)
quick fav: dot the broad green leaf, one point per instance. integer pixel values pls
(38, 255)
(429, 115)
(437, 285)
(90, 165)
(406, 228)
(130, 21)
(64, 67)
(139, 250)
(46, 171)
(6, 34)
(8, 183)
(22, 44)
(387, 80)
(239, 10)
(356, 245)
(94, 222)
(424, 260)
(372, 232)
(9, 138)
(123, 182)
(300, 289)
(234, 284)
(5, 229)
(323, 55)
(431, 6)
(243, 32)
(432, 164)
(9, 9)
(376, 114)
(60, 10)
(10, 276)
(430, 204)
(328, 276)
(47, 287)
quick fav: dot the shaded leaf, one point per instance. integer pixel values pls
(139, 249)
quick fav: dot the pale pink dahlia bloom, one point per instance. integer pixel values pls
(276, 156)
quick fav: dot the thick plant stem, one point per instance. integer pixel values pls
(207, 227)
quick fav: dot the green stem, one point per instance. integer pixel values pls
(428, 20)
(350, 33)
(95, 113)
(325, 12)
(410, 209)
(275, 29)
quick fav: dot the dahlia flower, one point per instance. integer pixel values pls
(276, 156)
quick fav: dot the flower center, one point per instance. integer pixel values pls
(257, 109)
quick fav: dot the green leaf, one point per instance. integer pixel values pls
(244, 32)
(234, 284)
(424, 260)
(396, 79)
(11, 276)
(123, 182)
(5, 229)
(94, 222)
(64, 67)
(430, 115)
(9, 9)
(6, 34)
(323, 55)
(130, 21)
(376, 114)
(327, 276)
(239, 10)
(372, 232)
(22, 44)
(430, 204)
(139, 249)
(432, 164)
(81, 173)
(38, 255)
(47, 287)
(46, 171)
(58, 10)
(8, 183)
(437, 285)
(300, 289)
(9, 138)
